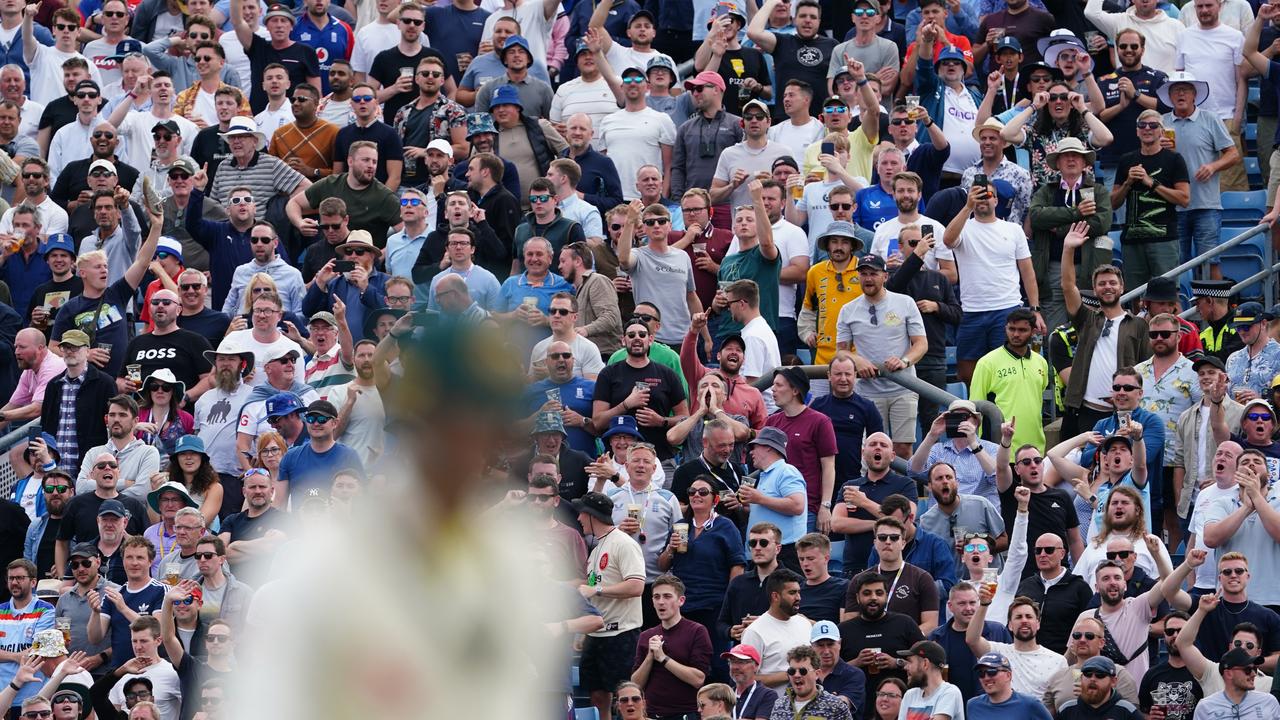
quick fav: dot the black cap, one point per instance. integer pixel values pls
(1211, 288)
(1161, 289)
(796, 378)
(1238, 658)
(112, 507)
(86, 85)
(926, 649)
(1208, 360)
(872, 261)
(169, 125)
(734, 337)
(597, 505)
(85, 549)
(324, 407)
(785, 160)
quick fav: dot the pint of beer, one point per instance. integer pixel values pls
(1173, 139)
(990, 579)
(874, 668)
(172, 573)
(63, 624)
(681, 531)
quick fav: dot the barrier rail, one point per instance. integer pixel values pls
(1268, 276)
(9, 478)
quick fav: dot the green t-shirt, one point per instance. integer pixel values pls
(660, 354)
(752, 265)
(375, 209)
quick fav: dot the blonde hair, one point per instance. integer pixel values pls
(91, 257)
(840, 141)
(255, 281)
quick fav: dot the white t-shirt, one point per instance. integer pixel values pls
(46, 73)
(53, 219)
(886, 237)
(1103, 364)
(204, 107)
(946, 700)
(586, 356)
(365, 423)
(593, 98)
(1207, 574)
(989, 254)
(774, 638)
(371, 40)
(136, 128)
(620, 58)
(791, 243)
(165, 688)
(29, 124)
(1031, 670)
(815, 203)
(253, 416)
(1212, 56)
(535, 26)
(797, 138)
(962, 115)
(634, 139)
(762, 348)
(216, 416)
(262, 351)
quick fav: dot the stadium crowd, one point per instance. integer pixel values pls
(220, 222)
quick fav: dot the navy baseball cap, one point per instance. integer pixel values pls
(285, 403)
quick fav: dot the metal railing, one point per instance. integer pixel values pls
(1267, 276)
(992, 418)
(8, 477)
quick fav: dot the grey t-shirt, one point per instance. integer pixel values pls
(976, 514)
(880, 54)
(742, 157)
(878, 332)
(665, 280)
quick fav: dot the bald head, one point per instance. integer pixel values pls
(29, 348)
(452, 295)
(578, 132)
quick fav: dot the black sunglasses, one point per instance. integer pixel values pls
(1041, 550)
(1086, 635)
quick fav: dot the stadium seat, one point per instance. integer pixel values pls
(586, 713)
(1253, 169)
(1243, 208)
(1238, 266)
(958, 389)
(1251, 137)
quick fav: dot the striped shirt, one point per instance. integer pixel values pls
(18, 628)
(266, 176)
(69, 457)
(327, 370)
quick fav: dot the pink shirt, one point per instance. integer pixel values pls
(32, 382)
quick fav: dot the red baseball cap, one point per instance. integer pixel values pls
(706, 77)
(742, 652)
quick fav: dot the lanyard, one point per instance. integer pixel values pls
(1004, 89)
(711, 471)
(745, 701)
(889, 597)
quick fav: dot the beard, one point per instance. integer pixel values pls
(917, 681)
(872, 612)
(227, 380)
(1024, 633)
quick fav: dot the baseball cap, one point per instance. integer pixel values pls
(993, 660)
(824, 630)
(1102, 664)
(324, 316)
(875, 262)
(112, 507)
(706, 77)
(323, 407)
(928, 650)
(743, 652)
(285, 403)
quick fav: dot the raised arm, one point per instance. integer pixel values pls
(138, 269)
(1195, 660)
(244, 33)
(764, 228)
(1252, 35)
(978, 645)
(1076, 237)
(1004, 473)
(766, 40)
(29, 43)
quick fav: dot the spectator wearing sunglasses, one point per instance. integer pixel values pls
(1087, 640)
(1245, 648)
(1242, 692)
(997, 698)
(45, 62)
(1226, 631)
(311, 466)
(1251, 368)
(1256, 428)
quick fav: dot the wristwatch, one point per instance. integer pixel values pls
(826, 504)
(1034, 308)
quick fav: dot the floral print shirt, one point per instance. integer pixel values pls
(1175, 391)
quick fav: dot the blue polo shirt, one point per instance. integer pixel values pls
(705, 567)
(516, 288)
(780, 481)
(858, 545)
(849, 682)
(23, 276)
(1017, 706)
(575, 395)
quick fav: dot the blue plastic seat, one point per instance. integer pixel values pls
(958, 389)
(586, 713)
(1253, 170)
(1243, 208)
(1239, 266)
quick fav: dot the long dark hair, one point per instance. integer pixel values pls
(1044, 125)
(205, 475)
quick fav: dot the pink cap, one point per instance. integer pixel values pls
(742, 652)
(706, 77)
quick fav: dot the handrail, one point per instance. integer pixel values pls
(1263, 275)
(992, 418)
(1199, 260)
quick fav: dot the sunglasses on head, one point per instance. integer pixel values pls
(1119, 554)
(1125, 387)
